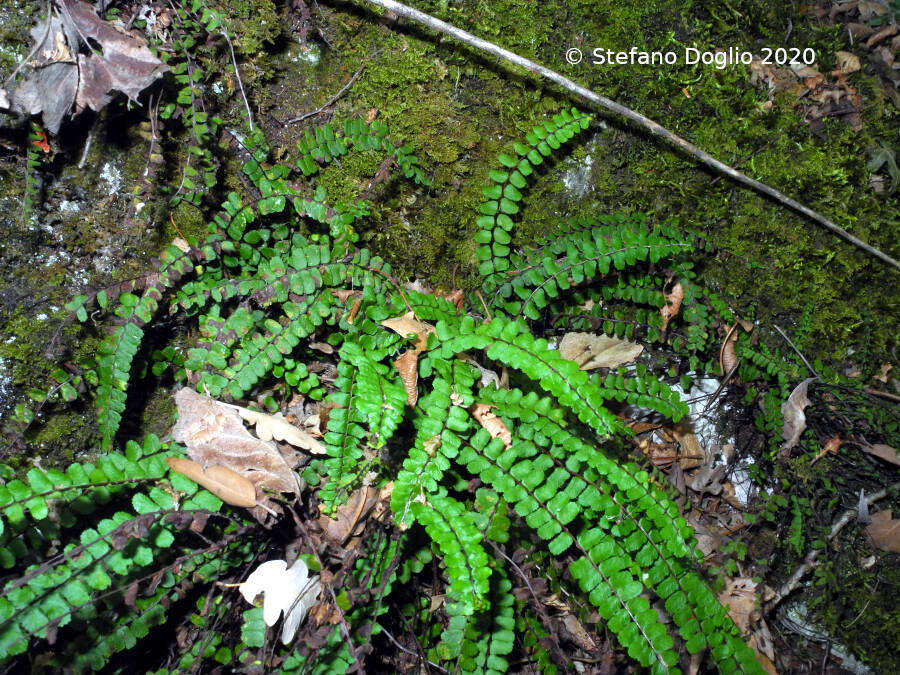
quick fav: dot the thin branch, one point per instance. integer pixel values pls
(811, 559)
(629, 114)
(408, 651)
(794, 347)
(343, 90)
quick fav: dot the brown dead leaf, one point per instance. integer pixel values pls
(275, 426)
(215, 435)
(227, 485)
(592, 351)
(493, 424)
(456, 297)
(739, 597)
(69, 70)
(371, 114)
(727, 357)
(885, 452)
(794, 417)
(349, 521)
(831, 447)
(674, 298)
(691, 453)
(884, 532)
(409, 324)
(883, 374)
(407, 364)
(847, 62)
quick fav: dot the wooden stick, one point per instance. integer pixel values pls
(629, 114)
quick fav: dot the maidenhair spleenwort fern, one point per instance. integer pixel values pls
(266, 283)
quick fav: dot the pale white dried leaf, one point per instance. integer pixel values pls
(591, 351)
(885, 452)
(275, 426)
(285, 590)
(884, 532)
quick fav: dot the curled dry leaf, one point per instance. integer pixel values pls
(275, 426)
(492, 424)
(232, 488)
(831, 447)
(691, 454)
(349, 520)
(727, 357)
(794, 417)
(885, 452)
(884, 532)
(407, 364)
(407, 324)
(591, 351)
(674, 298)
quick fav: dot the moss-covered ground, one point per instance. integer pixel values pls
(458, 109)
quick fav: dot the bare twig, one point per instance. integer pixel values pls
(883, 394)
(343, 90)
(811, 559)
(629, 114)
(408, 651)
(794, 347)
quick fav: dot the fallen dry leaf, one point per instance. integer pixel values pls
(727, 357)
(493, 424)
(794, 417)
(847, 62)
(885, 452)
(883, 374)
(275, 426)
(407, 364)
(739, 597)
(670, 310)
(591, 351)
(232, 488)
(407, 324)
(831, 447)
(691, 453)
(69, 70)
(884, 532)
(215, 435)
(349, 520)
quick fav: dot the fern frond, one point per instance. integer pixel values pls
(504, 192)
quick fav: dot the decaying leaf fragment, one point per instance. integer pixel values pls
(674, 298)
(349, 521)
(289, 590)
(215, 435)
(232, 488)
(492, 424)
(794, 417)
(591, 351)
(79, 60)
(275, 426)
(884, 532)
(885, 452)
(727, 357)
(407, 324)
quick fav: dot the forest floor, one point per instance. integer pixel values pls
(91, 206)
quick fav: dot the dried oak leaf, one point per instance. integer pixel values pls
(229, 486)
(794, 417)
(591, 351)
(409, 324)
(885, 452)
(492, 424)
(884, 532)
(215, 435)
